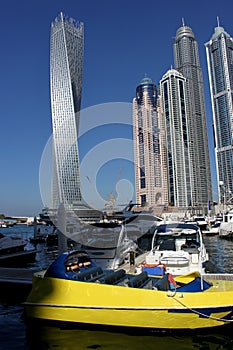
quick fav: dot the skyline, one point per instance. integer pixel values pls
(121, 44)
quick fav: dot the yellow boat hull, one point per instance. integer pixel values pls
(94, 303)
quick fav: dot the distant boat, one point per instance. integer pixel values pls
(226, 227)
(41, 233)
(213, 229)
(11, 244)
(13, 253)
(201, 222)
(30, 221)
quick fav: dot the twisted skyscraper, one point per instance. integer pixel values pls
(66, 64)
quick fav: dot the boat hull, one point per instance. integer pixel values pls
(94, 303)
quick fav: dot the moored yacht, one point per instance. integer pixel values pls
(74, 290)
(177, 248)
(11, 244)
(226, 227)
(109, 247)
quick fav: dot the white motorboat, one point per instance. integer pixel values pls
(226, 227)
(201, 222)
(11, 244)
(213, 229)
(177, 248)
(108, 247)
(109, 242)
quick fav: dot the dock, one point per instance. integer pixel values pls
(15, 283)
(16, 275)
(18, 258)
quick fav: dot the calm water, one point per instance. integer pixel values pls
(15, 334)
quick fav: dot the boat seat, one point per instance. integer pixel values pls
(115, 277)
(90, 275)
(190, 248)
(140, 281)
(162, 283)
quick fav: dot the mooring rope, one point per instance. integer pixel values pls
(200, 313)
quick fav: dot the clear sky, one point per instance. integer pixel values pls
(124, 40)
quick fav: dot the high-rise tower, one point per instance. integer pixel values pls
(186, 59)
(219, 52)
(66, 64)
(148, 149)
(174, 100)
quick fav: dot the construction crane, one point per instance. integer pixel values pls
(110, 204)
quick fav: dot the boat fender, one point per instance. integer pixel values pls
(172, 281)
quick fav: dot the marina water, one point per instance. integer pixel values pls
(16, 334)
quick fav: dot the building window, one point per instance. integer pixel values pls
(143, 182)
(143, 199)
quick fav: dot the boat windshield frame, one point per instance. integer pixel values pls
(176, 230)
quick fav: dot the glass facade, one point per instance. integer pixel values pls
(219, 51)
(66, 62)
(173, 94)
(186, 59)
(150, 184)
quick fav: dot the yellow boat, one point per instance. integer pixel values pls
(73, 290)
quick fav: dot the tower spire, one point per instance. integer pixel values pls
(183, 24)
(218, 21)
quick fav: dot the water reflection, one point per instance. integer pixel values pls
(16, 334)
(42, 337)
(220, 252)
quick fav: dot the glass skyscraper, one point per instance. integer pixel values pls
(66, 64)
(186, 59)
(219, 52)
(174, 100)
(148, 148)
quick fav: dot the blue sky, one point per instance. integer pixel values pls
(124, 40)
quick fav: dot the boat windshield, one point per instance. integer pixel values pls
(175, 239)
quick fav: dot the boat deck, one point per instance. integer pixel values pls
(131, 267)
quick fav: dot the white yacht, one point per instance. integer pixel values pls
(178, 248)
(108, 247)
(110, 240)
(226, 227)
